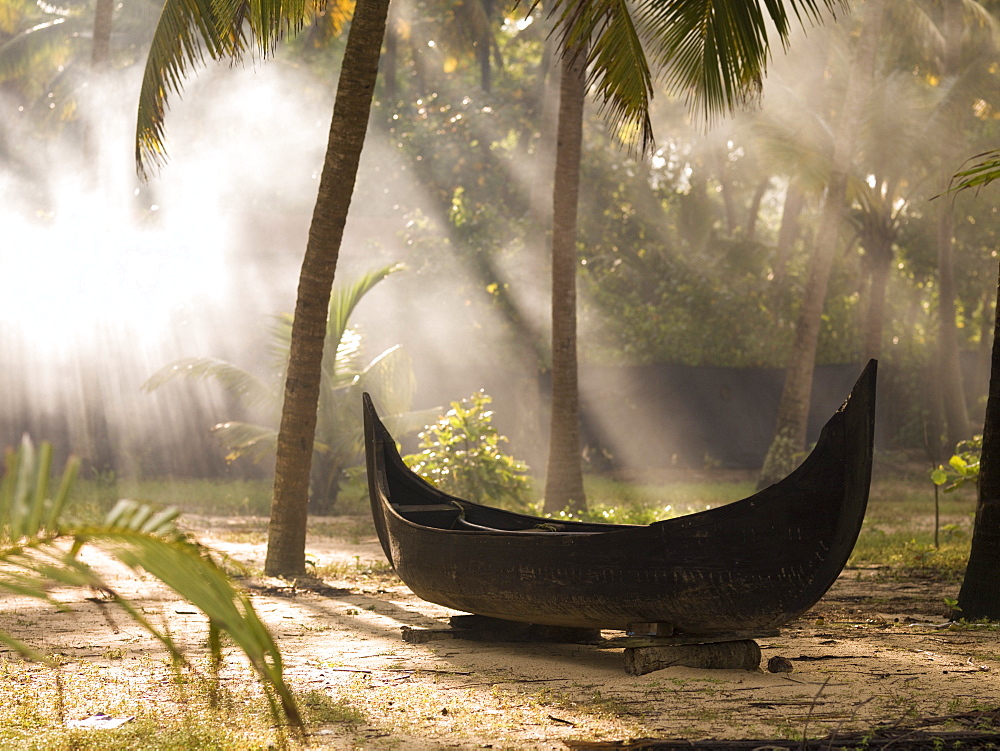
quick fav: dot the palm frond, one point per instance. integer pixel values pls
(713, 52)
(186, 32)
(251, 390)
(345, 299)
(626, 88)
(42, 548)
(244, 439)
(189, 570)
(348, 359)
(26, 508)
(985, 170)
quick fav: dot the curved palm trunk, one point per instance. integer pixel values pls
(793, 410)
(287, 529)
(980, 593)
(564, 475)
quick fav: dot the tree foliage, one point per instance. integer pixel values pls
(347, 373)
(462, 454)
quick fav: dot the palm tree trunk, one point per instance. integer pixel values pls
(390, 63)
(101, 49)
(980, 593)
(956, 413)
(875, 315)
(753, 213)
(289, 506)
(564, 475)
(100, 52)
(789, 230)
(793, 410)
(484, 49)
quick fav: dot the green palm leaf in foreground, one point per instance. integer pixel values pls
(985, 170)
(40, 548)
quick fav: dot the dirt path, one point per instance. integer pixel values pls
(871, 652)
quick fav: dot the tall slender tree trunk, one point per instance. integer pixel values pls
(728, 197)
(789, 229)
(100, 55)
(881, 265)
(390, 63)
(296, 434)
(484, 49)
(949, 382)
(980, 593)
(564, 476)
(956, 413)
(983, 353)
(793, 410)
(101, 49)
(753, 213)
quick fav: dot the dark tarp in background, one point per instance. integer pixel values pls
(651, 416)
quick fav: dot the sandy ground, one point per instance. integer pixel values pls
(873, 651)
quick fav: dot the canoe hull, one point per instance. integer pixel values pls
(752, 564)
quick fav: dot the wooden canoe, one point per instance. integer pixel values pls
(750, 565)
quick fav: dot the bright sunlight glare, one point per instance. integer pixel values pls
(91, 267)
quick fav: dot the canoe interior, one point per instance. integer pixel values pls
(755, 563)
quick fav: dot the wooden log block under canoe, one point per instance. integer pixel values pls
(728, 655)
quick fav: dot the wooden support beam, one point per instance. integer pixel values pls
(730, 655)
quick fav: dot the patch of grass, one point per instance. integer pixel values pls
(319, 708)
(909, 553)
(352, 569)
(680, 496)
(36, 702)
(210, 497)
(353, 529)
(898, 531)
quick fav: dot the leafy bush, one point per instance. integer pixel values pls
(633, 513)
(460, 453)
(962, 468)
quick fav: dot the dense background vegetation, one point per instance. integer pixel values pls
(694, 258)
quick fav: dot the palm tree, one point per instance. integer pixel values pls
(961, 51)
(713, 51)
(564, 476)
(688, 51)
(347, 373)
(793, 408)
(41, 546)
(175, 46)
(979, 596)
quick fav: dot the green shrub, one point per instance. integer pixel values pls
(460, 453)
(962, 468)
